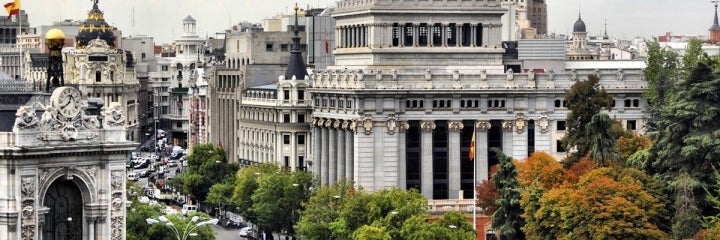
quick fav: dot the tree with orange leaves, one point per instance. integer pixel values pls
(540, 169)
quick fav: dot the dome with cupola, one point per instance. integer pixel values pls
(95, 27)
(579, 25)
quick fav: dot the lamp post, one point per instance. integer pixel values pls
(188, 231)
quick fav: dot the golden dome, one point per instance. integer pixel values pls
(54, 34)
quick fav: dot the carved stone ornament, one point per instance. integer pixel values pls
(403, 126)
(620, 74)
(367, 124)
(64, 118)
(117, 180)
(44, 172)
(354, 125)
(25, 118)
(114, 115)
(117, 227)
(551, 75)
(27, 188)
(28, 232)
(427, 126)
(520, 123)
(91, 171)
(336, 124)
(28, 211)
(328, 123)
(455, 126)
(98, 44)
(482, 126)
(320, 122)
(345, 124)
(391, 124)
(313, 121)
(117, 202)
(510, 74)
(543, 123)
(507, 125)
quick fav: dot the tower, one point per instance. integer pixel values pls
(715, 28)
(296, 66)
(54, 39)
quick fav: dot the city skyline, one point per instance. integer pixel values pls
(625, 19)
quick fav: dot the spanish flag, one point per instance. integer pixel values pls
(472, 148)
(13, 8)
(327, 45)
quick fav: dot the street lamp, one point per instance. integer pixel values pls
(188, 231)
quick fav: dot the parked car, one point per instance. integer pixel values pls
(248, 232)
(132, 176)
(144, 174)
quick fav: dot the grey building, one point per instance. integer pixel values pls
(408, 91)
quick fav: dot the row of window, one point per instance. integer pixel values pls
(419, 104)
(432, 34)
(333, 102)
(300, 139)
(284, 47)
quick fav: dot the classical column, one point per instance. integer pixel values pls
(454, 128)
(430, 30)
(293, 152)
(324, 157)
(507, 138)
(481, 150)
(332, 167)
(402, 34)
(458, 35)
(402, 155)
(340, 153)
(416, 34)
(349, 157)
(472, 34)
(90, 227)
(426, 159)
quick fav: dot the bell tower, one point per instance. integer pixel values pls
(715, 28)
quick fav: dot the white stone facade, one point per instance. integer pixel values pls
(395, 115)
(64, 147)
(101, 71)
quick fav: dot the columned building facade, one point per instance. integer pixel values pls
(407, 93)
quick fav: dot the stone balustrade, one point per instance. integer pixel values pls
(346, 5)
(475, 80)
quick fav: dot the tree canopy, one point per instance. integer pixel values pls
(584, 99)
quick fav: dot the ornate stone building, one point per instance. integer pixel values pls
(408, 91)
(579, 49)
(62, 170)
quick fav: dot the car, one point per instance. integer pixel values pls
(132, 177)
(172, 163)
(143, 174)
(248, 232)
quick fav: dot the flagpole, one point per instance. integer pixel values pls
(474, 182)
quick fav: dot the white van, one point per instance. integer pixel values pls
(188, 208)
(132, 176)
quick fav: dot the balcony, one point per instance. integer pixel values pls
(180, 90)
(448, 205)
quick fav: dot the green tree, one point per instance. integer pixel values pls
(277, 200)
(660, 73)
(457, 226)
(207, 165)
(584, 99)
(220, 195)
(603, 141)
(246, 182)
(687, 139)
(322, 209)
(507, 219)
(687, 220)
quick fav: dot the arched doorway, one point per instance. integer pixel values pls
(64, 220)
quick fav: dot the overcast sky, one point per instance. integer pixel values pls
(162, 19)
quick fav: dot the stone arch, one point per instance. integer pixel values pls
(80, 178)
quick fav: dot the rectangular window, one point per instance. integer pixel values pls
(396, 34)
(349, 104)
(423, 35)
(301, 118)
(98, 76)
(284, 47)
(112, 76)
(408, 34)
(561, 125)
(478, 35)
(301, 163)
(559, 146)
(465, 32)
(451, 34)
(287, 161)
(286, 94)
(286, 139)
(268, 47)
(631, 125)
(286, 118)
(179, 124)
(301, 139)
(300, 95)
(437, 35)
